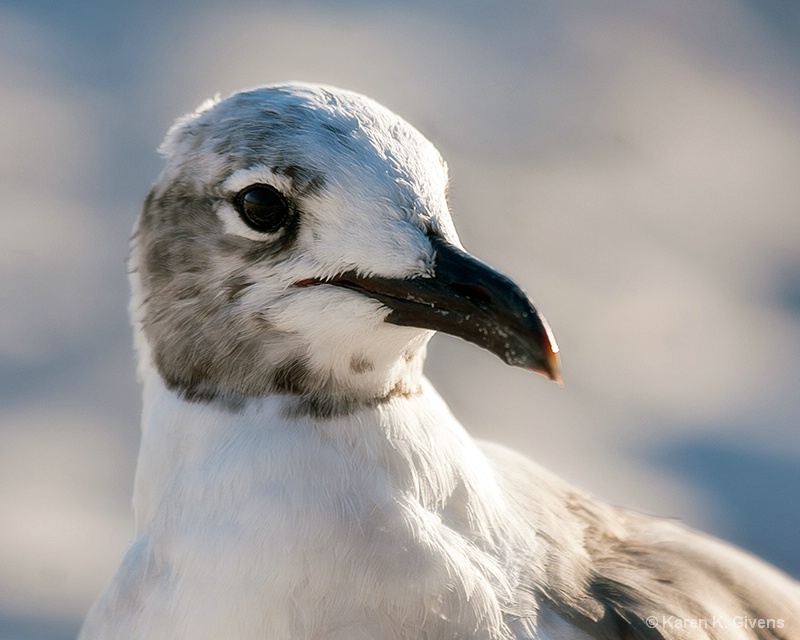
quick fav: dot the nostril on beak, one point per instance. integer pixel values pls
(475, 294)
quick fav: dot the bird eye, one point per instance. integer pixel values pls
(262, 208)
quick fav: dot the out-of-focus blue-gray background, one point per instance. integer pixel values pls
(635, 165)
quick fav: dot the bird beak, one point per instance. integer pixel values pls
(468, 299)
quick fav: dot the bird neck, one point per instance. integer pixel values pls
(395, 498)
(409, 446)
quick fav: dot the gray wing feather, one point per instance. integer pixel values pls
(594, 571)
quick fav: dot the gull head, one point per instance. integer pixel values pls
(298, 242)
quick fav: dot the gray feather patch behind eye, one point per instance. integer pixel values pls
(201, 345)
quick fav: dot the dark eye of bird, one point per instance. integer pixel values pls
(262, 208)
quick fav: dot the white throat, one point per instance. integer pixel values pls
(395, 501)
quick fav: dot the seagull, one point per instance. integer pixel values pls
(298, 476)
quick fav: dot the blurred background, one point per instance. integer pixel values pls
(634, 165)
